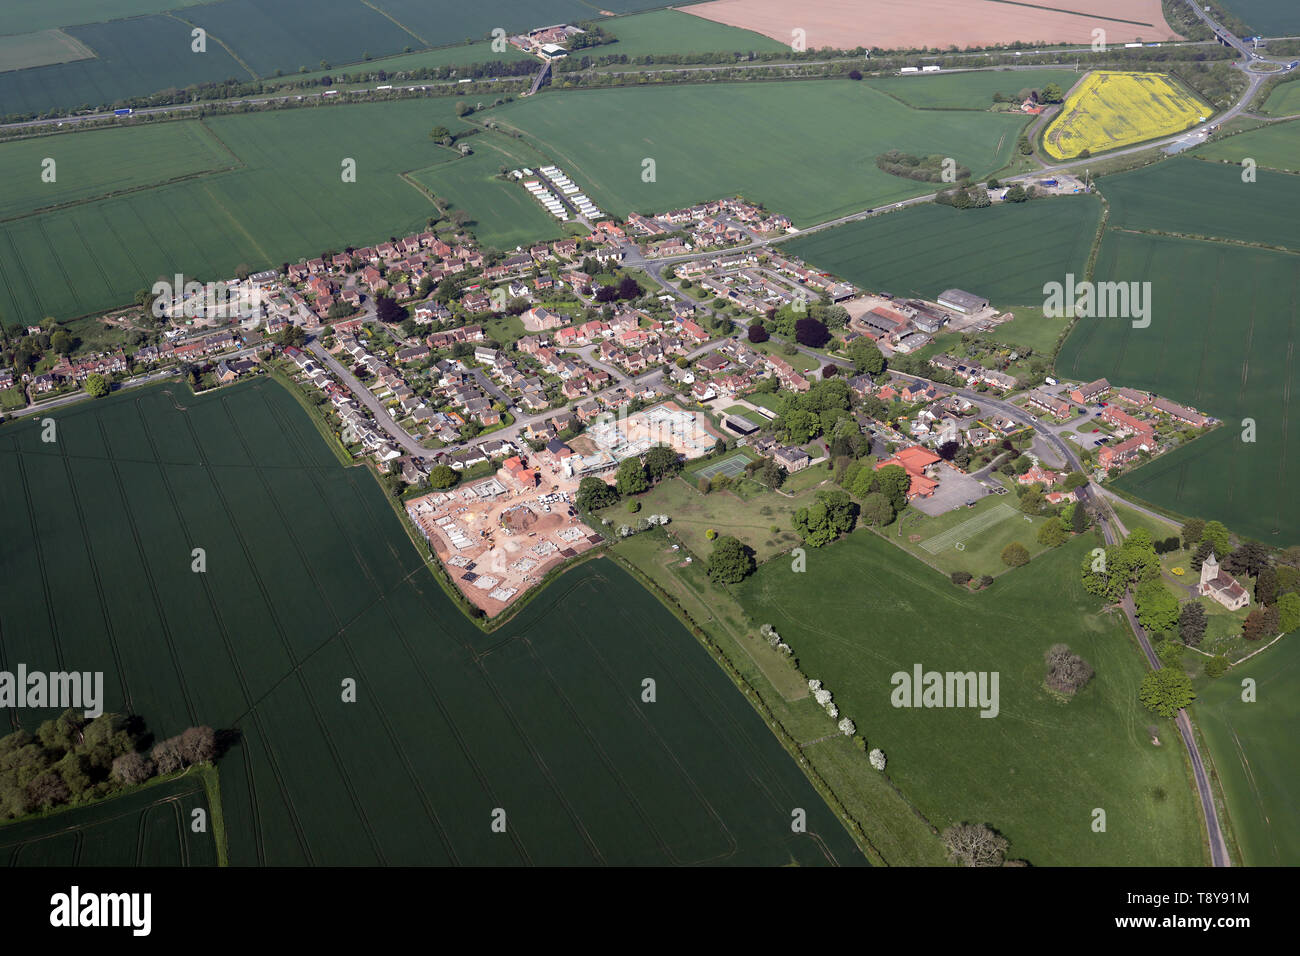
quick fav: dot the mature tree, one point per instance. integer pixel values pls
(61, 341)
(831, 515)
(974, 844)
(1192, 623)
(661, 461)
(1015, 555)
(1067, 672)
(1051, 93)
(48, 789)
(440, 135)
(1166, 691)
(388, 310)
(1266, 586)
(1219, 538)
(630, 478)
(877, 510)
(594, 493)
(1157, 607)
(1053, 533)
(730, 561)
(167, 756)
(198, 745)
(96, 385)
(1260, 623)
(1288, 612)
(961, 578)
(811, 333)
(1193, 528)
(1202, 552)
(1248, 558)
(1079, 518)
(866, 356)
(132, 768)
(770, 473)
(893, 482)
(1075, 479)
(442, 477)
(758, 333)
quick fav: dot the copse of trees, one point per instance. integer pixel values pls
(73, 759)
(927, 169)
(833, 514)
(1067, 672)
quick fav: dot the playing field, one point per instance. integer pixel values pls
(1185, 196)
(98, 163)
(288, 199)
(1110, 109)
(1222, 339)
(817, 162)
(1005, 252)
(1255, 752)
(1272, 147)
(41, 48)
(147, 827)
(958, 534)
(310, 585)
(1039, 769)
(968, 91)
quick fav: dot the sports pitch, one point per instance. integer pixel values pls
(731, 467)
(956, 537)
(310, 581)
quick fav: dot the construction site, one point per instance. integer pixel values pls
(499, 536)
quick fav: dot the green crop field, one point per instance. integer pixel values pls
(671, 31)
(1039, 769)
(132, 58)
(100, 162)
(1270, 18)
(1255, 752)
(19, 16)
(1206, 199)
(816, 162)
(502, 214)
(1005, 252)
(311, 582)
(968, 91)
(149, 827)
(287, 201)
(1272, 147)
(41, 48)
(1221, 338)
(465, 54)
(1283, 101)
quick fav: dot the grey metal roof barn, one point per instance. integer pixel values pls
(963, 301)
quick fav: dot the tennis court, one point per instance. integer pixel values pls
(967, 529)
(731, 467)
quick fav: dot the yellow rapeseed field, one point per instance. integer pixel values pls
(1110, 109)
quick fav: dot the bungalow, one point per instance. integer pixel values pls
(413, 354)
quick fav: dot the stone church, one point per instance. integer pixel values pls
(1221, 585)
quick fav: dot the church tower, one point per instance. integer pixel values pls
(1209, 570)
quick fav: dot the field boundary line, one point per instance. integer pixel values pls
(222, 43)
(398, 23)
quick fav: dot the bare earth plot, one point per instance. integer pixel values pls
(890, 25)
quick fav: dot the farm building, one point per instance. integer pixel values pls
(964, 302)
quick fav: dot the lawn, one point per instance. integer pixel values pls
(1255, 752)
(1220, 339)
(1005, 252)
(1206, 199)
(1039, 769)
(312, 581)
(1030, 328)
(149, 826)
(1272, 147)
(822, 165)
(750, 520)
(968, 91)
(800, 361)
(1109, 109)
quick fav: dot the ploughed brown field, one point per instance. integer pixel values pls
(889, 24)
